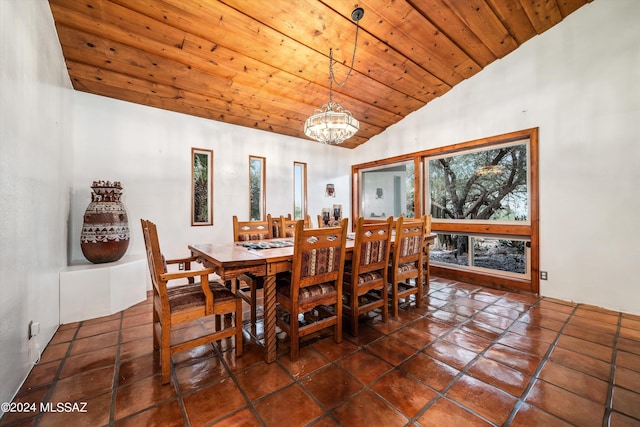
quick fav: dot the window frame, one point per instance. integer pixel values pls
(303, 189)
(262, 203)
(511, 229)
(385, 167)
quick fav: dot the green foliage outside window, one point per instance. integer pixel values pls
(482, 185)
(256, 188)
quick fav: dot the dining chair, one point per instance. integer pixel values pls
(251, 230)
(332, 222)
(406, 273)
(175, 306)
(275, 224)
(288, 227)
(247, 285)
(375, 220)
(284, 227)
(365, 277)
(310, 297)
(307, 222)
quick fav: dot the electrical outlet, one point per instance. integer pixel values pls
(34, 329)
(181, 266)
(543, 275)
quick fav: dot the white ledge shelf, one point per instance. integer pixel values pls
(90, 290)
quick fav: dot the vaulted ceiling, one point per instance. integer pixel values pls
(264, 64)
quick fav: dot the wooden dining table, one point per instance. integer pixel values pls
(232, 259)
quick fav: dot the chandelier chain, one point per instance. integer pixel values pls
(332, 124)
(353, 60)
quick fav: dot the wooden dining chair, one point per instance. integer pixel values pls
(307, 222)
(332, 222)
(251, 230)
(288, 227)
(275, 223)
(175, 306)
(375, 220)
(284, 227)
(247, 285)
(365, 277)
(310, 297)
(406, 273)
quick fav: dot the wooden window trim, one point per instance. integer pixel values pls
(530, 231)
(263, 201)
(304, 188)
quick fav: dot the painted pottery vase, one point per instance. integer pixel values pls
(105, 230)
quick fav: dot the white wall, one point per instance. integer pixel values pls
(35, 175)
(149, 151)
(579, 83)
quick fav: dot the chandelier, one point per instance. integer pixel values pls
(332, 124)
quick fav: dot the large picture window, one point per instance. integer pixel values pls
(483, 199)
(481, 186)
(485, 185)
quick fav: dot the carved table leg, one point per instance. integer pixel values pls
(270, 340)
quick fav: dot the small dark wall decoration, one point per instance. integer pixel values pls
(330, 191)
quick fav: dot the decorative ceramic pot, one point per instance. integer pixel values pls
(105, 230)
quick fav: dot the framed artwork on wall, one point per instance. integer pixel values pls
(201, 186)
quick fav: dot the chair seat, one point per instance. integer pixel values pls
(363, 279)
(184, 297)
(407, 267)
(308, 294)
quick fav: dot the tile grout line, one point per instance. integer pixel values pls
(298, 381)
(463, 371)
(173, 375)
(608, 408)
(327, 414)
(116, 374)
(54, 382)
(534, 377)
(232, 376)
(385, 335)
(172, 382)
(116, 378)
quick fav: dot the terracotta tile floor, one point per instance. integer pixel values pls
(469, 356)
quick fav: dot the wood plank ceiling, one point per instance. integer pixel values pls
(264, 64)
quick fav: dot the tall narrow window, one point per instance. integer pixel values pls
(299, 190)
(257, 196)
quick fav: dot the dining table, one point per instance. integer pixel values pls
(264, 258)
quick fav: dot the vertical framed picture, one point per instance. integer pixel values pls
(201, 186)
